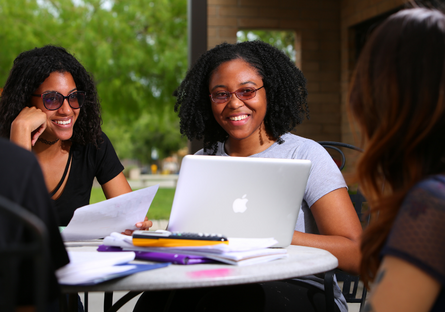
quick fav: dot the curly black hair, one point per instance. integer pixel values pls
(29, 71)
(285, 84)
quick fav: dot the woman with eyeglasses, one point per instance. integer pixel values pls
(243, 100)
(49, 105)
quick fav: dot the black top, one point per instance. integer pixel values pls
(21, 181)
(87, 162)
(418, 235)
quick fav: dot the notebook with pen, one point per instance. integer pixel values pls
(246, 197)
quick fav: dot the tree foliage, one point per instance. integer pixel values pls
(135, 49)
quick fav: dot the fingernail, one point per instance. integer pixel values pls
(139, 224)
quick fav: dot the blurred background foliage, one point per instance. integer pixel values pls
(136, 50)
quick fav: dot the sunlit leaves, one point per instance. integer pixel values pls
(135, 49)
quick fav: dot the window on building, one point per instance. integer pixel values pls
(281, 39)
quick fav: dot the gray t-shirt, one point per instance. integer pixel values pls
(324, 178)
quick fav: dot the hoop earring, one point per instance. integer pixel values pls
(259, 133)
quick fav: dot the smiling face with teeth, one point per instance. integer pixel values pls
(60, 122)
(242, 120)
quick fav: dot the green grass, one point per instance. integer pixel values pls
(97, 195)
(159, 209)
(162, 204)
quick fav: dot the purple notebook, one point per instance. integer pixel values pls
(162, 256)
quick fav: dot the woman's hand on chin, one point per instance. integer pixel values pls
(28, 126)
(36, 134)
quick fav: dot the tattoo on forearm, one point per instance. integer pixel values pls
(367, 308)
(380, 275)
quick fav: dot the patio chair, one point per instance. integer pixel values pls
(350, 283)
(11, 254)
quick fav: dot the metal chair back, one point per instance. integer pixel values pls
(351, 283)
(11, 254)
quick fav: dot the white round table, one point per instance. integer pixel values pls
(301, 261)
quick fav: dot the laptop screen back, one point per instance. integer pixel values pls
(239, 196)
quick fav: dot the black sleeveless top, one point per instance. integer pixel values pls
(87, 162)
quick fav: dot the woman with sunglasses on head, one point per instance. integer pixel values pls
(243, 100)
(49, 105)
(397, 98)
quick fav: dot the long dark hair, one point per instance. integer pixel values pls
(284, 82)
(397, 97)
(29, 71)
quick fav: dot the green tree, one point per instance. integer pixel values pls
(135, 49)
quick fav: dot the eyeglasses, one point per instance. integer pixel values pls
(54, 100)
(221, 97)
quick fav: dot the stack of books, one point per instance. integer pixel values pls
(238, 251)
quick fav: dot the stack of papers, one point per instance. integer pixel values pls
(91, 267)
(112, 215)
(239, 251)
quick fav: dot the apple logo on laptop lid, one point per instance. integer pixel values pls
(239, 204)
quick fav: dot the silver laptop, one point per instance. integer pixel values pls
(244, 197)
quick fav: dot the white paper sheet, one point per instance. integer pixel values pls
(87, 266)
(113, 215)
(92, 267)
(85, 261)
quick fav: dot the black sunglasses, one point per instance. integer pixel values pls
(54, 100)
